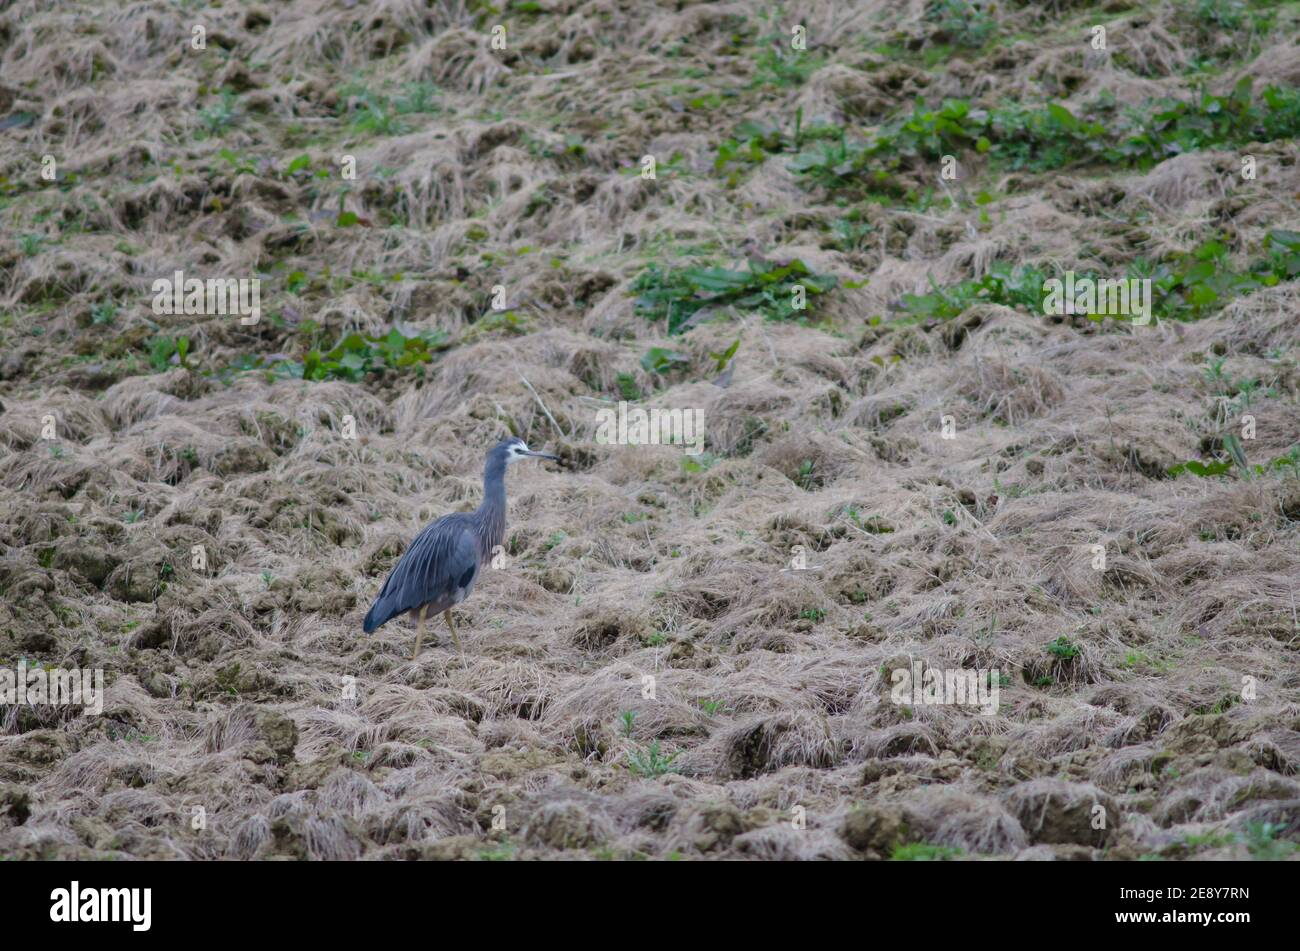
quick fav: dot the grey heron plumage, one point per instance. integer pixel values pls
(438, 570)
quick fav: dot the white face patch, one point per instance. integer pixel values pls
(518, 451)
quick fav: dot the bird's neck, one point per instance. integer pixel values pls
(492, 511)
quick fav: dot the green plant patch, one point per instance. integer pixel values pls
(1188, 286)
(356, 356)
(677, 295)
(1035, 138)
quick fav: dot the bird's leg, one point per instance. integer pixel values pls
(419, 631)
(454, 636)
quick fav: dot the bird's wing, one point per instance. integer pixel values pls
(442, 559)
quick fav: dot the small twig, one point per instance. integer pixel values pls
(768, 340)
(951, 197)
(1295, 620)
(856, 528)
(543, 406)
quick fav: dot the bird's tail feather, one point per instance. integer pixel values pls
(380, 612)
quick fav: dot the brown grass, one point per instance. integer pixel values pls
(248, 690)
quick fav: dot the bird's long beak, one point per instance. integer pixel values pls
(542, 455)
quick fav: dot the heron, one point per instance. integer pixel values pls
(440, 567)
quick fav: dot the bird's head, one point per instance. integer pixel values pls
(515, 449)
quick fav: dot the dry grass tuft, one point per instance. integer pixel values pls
(676, 656)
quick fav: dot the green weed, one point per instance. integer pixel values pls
(678, 295)
(649, 761)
